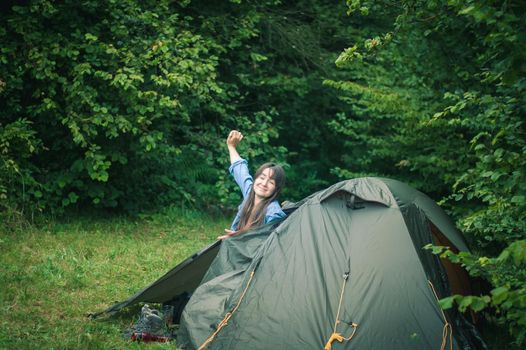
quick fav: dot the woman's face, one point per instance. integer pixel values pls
(264, 185)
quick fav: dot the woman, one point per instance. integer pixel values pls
(259, 196)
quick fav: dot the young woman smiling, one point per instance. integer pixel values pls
(259, 205)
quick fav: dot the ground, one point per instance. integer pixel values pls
(53, 275)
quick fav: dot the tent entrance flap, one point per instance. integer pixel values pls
(182, 279)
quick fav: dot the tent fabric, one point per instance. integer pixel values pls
(293, 298)
(180, 280)
(284, 279)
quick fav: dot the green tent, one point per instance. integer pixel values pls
(346, 263)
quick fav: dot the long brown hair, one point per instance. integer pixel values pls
(253, 215)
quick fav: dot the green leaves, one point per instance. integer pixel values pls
(18, 143)
(348, 55)
(101, 90)
(126, 104)
(446, 303)
(507, 275)
(469, 102)
(500, 294)
(465, 302)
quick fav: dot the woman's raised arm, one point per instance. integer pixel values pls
(233, 139)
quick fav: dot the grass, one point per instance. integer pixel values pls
(54, 275)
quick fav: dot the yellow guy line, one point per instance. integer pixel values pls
(447, 326)
(335, 336)
(228, 315)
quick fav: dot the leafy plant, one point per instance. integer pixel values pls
(464, 118)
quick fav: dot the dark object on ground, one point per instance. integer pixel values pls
(151, 326)
(147, 338)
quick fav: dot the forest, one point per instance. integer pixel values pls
(123, 107)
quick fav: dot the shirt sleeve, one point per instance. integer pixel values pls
(239, 170)
(274, 212)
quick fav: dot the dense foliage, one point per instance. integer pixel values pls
(119, 105)
(452, 89)
(125, 105)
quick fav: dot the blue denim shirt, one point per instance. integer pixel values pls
(239, 169)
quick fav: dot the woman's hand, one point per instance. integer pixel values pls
(234, 138)
(228, 233)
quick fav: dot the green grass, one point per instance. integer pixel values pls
(54, 275)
